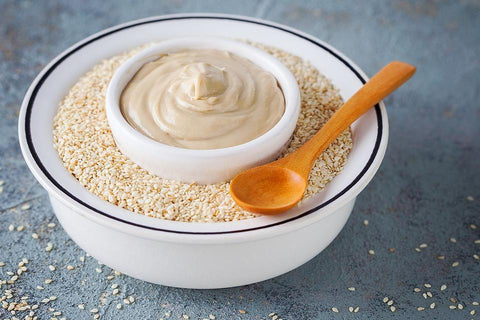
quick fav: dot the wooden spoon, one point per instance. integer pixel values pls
(278, 186)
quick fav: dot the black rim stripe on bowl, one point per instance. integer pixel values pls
(67, 54)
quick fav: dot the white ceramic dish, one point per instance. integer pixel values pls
(202, 166)
(195, 255)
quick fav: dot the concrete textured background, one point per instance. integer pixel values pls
(426, 191)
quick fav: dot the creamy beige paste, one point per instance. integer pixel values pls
(202, 99)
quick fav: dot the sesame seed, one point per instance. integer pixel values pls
(453, 300)
(117, 273)
(429, 294)
(98, 270)
(40, 288)
(115, 291)
(48, 281)
(371, 252)
(46, 300)
(441, 257)
(126, 301)
(52, 268)
(476, 257)
(432, 305)
(110, 277)
(417, 289)
(470, 198)
(131, 299)
(477, 241)
(452, 307)
(96, 316)
(365, 222)
(424, 295)
(70, 267)
(212, 317)
(34, 236)
(82, 259)
(94, 310)
(49, 247)
(2, 264)
(11, 227)
(335, 310)
(453, 240)
(356, 309)
(185, 317)
(53, 298)
(350, 309)
(115, 286)
(443, 287)
(385, 300)
(351, 289)
(460, 306)
(25, 206)
(242, 311)
(423, 245)
(119, 306)
(389, 303)
(475, 303)
(427, 285)
(455, 264)
(418, 249)
(20, 228)
(473, 226)
(392, 308)
(472, 312)
(420, 308)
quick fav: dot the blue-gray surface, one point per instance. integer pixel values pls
(427, 190)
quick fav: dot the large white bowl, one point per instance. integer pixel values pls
(201, 166)
(196, 255)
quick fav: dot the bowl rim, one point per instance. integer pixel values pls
(54, 188)
(115, 89)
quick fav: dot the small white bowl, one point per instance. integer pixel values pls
(197, 255)
(201, 166)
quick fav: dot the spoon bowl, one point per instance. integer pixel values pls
(268, 189)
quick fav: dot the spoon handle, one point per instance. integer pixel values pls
(389, 78)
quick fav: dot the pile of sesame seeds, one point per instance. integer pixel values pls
(87, 149)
